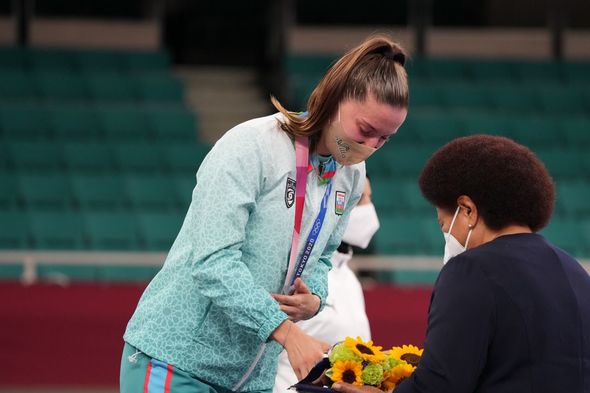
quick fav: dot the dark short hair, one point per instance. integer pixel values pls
(506, 181)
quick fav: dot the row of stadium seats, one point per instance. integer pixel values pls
(63, 157)
(88, 229)
(406, 160)
(397, 195)
(95, 87)
(473, 70)
(498, 96)
(506, 97)
(427, 126)
(420, 235)
(76, 60)
(400, 234)
(112, 192)
(97, 123)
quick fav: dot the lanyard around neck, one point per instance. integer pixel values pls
(302, 158)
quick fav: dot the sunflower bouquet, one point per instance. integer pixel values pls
(362, 363)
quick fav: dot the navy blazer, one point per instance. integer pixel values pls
(512, 315)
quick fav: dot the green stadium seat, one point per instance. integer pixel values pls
(8, 191)
(184, 186)
(426, 94)
(466, 96)
(61, 86)
(483, 123)
(411, 198)
(5, 161)
(14, 231)
(576, 131)
(435, 128)
(158, 230)
(159, 89)
(577, 72)
(402, 160)
(24, 122)
(50, 60)
(573, 198)
(111, 231)
(74, 124)
(585, 234)
(488, 71)
(563, 163)
(404, 235)
(540, 72)
(173, 125)
(514, 98)
(150, 192)
(124, 124)
(56, 230)
(41, 157)
(88, 157)
(439, 69)
(91, 61)
(145, 61)
(12, 58)
(137, 157)
(555, 99)
(110, 88)
(184, 158)
(16, 85)
(98, 192)
(46, 191)
(386, 193)
(566, 234)
(301, 88)
(534, 131)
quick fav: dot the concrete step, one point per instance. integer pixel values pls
(222, 98)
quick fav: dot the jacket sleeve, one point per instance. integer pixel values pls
(460, 326)
(228, 183)
(317, 276)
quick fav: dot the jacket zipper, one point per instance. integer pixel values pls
(253, 365)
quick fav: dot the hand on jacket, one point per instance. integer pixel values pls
(300, 305)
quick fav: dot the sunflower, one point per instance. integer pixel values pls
(347, 371)
(400, 372)
(408, 353)
(366, 350)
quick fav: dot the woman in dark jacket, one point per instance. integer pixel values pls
(510, 312)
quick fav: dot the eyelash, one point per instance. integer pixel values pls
(385, 139)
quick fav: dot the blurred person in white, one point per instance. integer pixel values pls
(344, 313)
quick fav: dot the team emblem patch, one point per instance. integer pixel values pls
(290, 192)
(339, 207)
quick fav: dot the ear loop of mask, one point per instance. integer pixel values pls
(453, 223)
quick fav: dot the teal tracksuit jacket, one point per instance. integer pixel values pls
(209, 310)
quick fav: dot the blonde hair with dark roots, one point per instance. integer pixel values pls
(376, 66)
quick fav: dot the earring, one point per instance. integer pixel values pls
(470, 226)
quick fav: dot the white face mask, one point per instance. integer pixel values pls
(452, 245)
(362, 225)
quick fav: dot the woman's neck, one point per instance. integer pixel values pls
(321, 148)
(508, 230)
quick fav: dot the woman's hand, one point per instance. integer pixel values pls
(302, 304)
(303, 351)
(349, 388)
